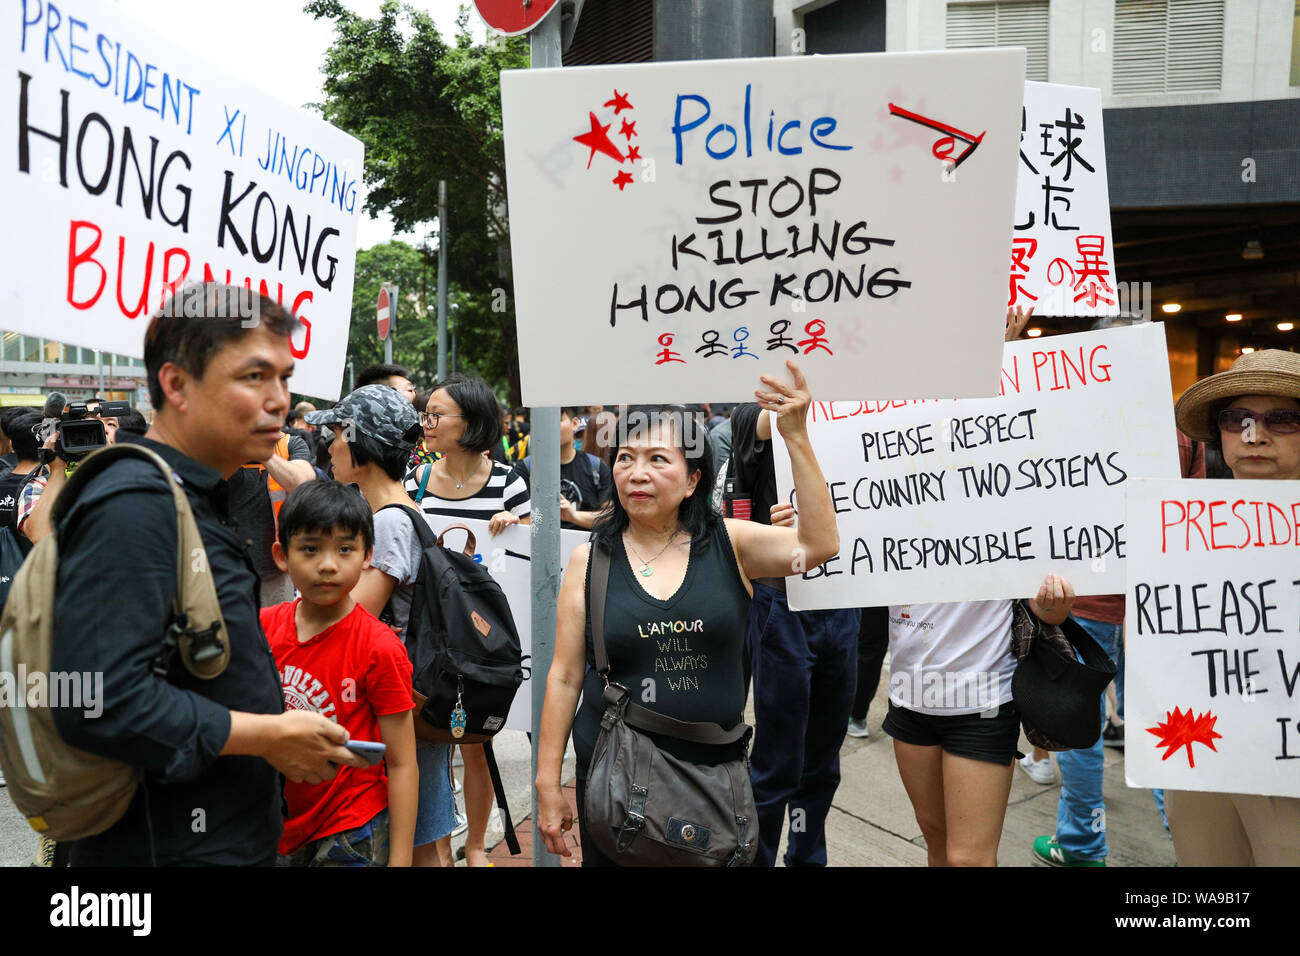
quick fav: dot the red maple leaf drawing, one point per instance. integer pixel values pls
(622, 179)
(597, 140)
(619, 102)
(1183, 730)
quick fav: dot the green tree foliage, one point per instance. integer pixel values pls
(428, 111)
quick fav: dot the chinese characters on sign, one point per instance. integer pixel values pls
(1062, 256)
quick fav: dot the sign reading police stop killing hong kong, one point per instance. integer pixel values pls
(678, 228)
(131, 167)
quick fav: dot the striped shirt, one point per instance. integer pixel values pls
(504, 491)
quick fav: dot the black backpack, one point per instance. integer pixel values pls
(466, 658)
(14, 546)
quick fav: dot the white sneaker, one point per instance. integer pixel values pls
(1040, 771)
(462, 825)
(858, 728)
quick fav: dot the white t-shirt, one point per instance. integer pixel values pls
(950, 659)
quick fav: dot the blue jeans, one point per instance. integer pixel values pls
(805, 669)
(1081, 811)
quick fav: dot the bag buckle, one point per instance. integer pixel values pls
(635, 819)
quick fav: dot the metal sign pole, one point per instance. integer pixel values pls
(442, 279)
(544, 48)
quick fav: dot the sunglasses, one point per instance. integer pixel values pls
(1279, 421)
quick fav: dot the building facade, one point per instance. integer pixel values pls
(31, 368)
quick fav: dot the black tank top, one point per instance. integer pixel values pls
(682, 657)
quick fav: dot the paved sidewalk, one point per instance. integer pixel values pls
(871, 821)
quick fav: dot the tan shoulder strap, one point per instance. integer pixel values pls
(198, 629)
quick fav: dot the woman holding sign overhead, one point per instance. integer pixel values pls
(1251, 412)
(677, 584)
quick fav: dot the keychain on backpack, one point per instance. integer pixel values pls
(458, 713)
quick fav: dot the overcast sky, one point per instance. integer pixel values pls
(288, 47)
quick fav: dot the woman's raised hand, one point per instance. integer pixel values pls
(790, 402)
(1017, 319)
(782, 515)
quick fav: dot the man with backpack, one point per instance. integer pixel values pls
(209, 747)
(586, 482)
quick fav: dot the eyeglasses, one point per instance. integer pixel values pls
(1279, 421)
(430, 419)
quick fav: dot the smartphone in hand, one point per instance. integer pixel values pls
(372, 751)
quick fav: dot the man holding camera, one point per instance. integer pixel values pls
(95, 425)
(210, 750)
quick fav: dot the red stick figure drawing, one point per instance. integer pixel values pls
(816, 330)
(668, 355)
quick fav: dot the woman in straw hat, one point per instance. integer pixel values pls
(1251, 411)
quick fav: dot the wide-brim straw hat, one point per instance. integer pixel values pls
(1267, 372)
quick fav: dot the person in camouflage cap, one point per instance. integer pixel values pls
(377, 412)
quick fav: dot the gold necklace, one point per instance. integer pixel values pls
(645, 570)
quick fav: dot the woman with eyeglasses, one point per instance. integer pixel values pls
(1251, 412)
(462, 422)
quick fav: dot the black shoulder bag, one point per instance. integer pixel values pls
(646, 807)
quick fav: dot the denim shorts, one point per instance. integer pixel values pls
(367, 845)
(993, 739)
(436, 816)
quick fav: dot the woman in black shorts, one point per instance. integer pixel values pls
(954, 724)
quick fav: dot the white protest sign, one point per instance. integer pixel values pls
(507, 556)
(678, 227)
(1212, 637)
(1062, 254)
(132, 166)
(978, 499)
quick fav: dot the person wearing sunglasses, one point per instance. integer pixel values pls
(1251, 411)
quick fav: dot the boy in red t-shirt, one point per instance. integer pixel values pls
(336, 659)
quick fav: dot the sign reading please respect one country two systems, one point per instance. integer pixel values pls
(1212, 637)
(132, 166)
(676, 228)
(978, 499)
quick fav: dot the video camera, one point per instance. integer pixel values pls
(79, 433)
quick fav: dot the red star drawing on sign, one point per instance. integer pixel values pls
(628, 130)
(619, 102)
(634, 152)
(622, 179)
(597, 140)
